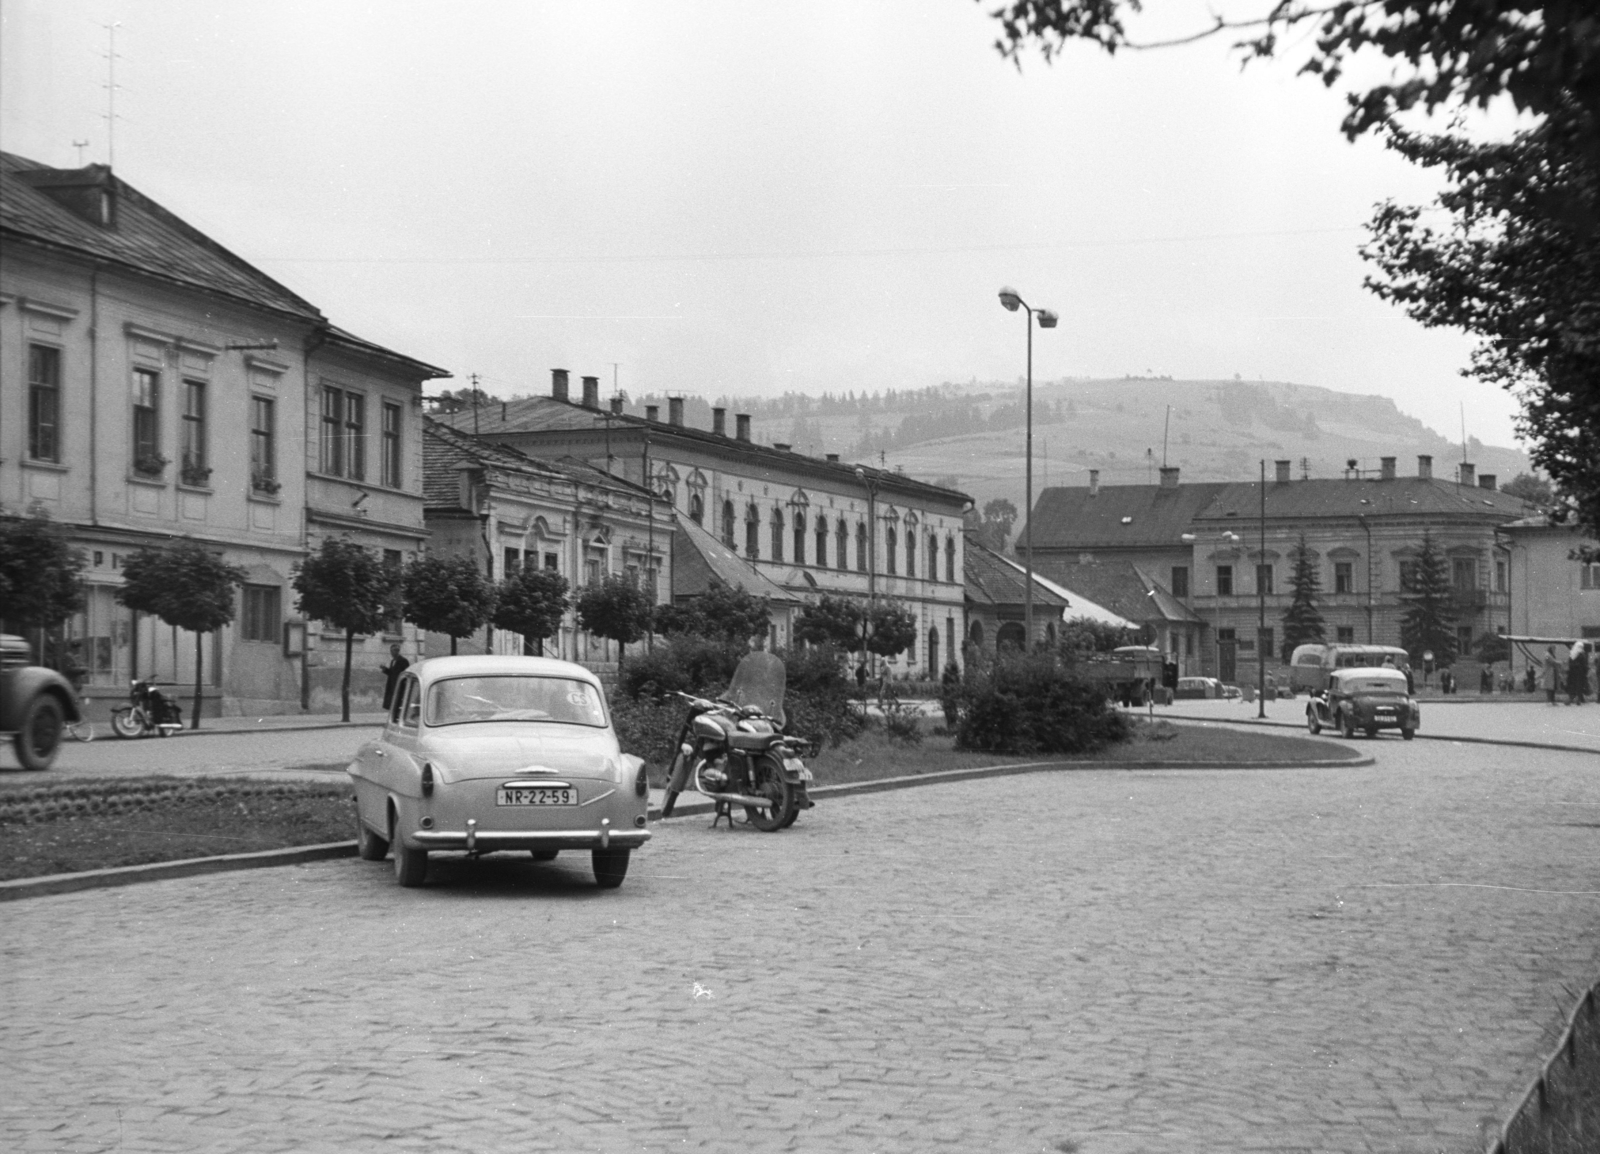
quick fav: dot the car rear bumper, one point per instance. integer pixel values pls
(486, 840)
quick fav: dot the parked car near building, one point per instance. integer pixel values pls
(1190, 688)
(1365, 699)
(36, 704)
(488, 753)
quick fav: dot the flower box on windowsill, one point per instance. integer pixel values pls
(266, 487)
(150, 467)
(195, 476)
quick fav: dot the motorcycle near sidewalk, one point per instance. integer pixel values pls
(148, 711)
(733, 750)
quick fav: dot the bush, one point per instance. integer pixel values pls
(1034, 704)
(683, 663)
(648, 728)
(900, 721)
(818, 695)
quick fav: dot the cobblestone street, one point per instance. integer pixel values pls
(1101, 962)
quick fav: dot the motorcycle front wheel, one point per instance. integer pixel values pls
(127, 721)
(769, 784)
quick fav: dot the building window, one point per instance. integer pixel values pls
(861, 547)
(911, 552)
(697, 509)
(1464, 573)
(391, 445)
(1408, 576)
(192, 464)
(777, 535)
(1345, 634)
(263, 450)
(1589, 576)
(1265, 637)
(552, 562)
(1224, 580)
(44, 403)
(752, 533)
(1263, 579)
(950, 565)
(933, 557)
(822, 541)
(344, 429)
(1180, 580)
(591, 571)
(262, 616)
(799, 537)
(727, 525)
(890, 543)
(146, 422)
(1464, 639)
(1344, 577)
(1500, 576)
(841, 544)
(513, 562)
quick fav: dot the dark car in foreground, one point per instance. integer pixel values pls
(35, 704)
(1364, 699)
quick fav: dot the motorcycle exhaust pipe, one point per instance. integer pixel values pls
(742, 799)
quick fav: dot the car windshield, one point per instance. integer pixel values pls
(1373, 683)
(510, 697)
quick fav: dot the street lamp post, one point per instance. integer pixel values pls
(1261, 598)
(872, 533)
(1012, 300)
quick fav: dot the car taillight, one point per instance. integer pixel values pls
(427, 780)
(641, 783)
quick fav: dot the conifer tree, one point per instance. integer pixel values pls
(1428, 623)
(1302, 621)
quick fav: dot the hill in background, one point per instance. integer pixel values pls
(971, 436)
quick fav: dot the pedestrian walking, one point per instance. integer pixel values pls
(1551, 674)
(1577, 674)
(949, 687)
(1486, 680)
(391, 674)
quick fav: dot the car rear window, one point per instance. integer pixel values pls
(513, 697)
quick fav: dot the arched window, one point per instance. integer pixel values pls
(977, 633)
(933, 557)
(911, 549)
(890, 543)
(841, 544)
(752, 532)
(727, 524)
(777, 534)
(822, 540)
(1011, 635)
(1050, 634)
(799, 537)
(861, 547)
(950, 560)
(933, 652)
(697, 509)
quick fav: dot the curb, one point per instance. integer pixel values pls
(1256, 721)
(911, 781)
(160, 871)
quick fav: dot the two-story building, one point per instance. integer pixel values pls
(1554, 591)
(1225, 550)
(506, 510)
(153, 385)
(810, 525)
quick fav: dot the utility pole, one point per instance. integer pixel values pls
(1261, 598)
(473, 377)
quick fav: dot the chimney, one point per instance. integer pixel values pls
(782, 446)
(1487, 481)
(1466, 474)
(833, 458)
(1169, 476)
(675, 411)
(1094, 482)
(1283, 471)
(591, 392)
(652, 413)
(558, 384)
(1386, 468)
(741, 425)
(719, 422)
(1424, 467)
(616, 406)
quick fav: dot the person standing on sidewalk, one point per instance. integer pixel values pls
(391, 674)
(1577, 674)
(1550, 674)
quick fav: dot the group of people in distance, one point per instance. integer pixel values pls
(1570, 676)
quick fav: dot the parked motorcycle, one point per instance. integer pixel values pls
(733, 750)
(148, 711)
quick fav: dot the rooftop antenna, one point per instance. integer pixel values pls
(473, 377)
(111, 87)
(1463, 432)
(1165, 428)
(80, 145)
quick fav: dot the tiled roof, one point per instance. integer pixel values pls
(1331, 497)
(1126, 590)
(145, 237)
(444, 451)
(698, 558)
(340, 338)
(548, 415)
(992, 580)
(1117, 515)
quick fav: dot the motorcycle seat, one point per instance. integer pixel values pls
(753, 741)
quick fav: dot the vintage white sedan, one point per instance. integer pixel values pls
(481, 754)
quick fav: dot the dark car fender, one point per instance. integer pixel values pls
(20, 686)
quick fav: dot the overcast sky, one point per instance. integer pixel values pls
(747, 198)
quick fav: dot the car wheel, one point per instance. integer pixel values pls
(1347, 725)
(544, 854)
(39, 735)
(369, 845)
(610, 866)
(410, 865)
(1408, 734)
(1312, 723)
(128, 721)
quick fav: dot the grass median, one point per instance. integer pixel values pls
(88, 824)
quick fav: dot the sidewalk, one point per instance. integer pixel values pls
(282, 721)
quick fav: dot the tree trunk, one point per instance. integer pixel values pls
(199, 657)
(344, 691)
(452, 645)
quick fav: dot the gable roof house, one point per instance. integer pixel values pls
(155, 385)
